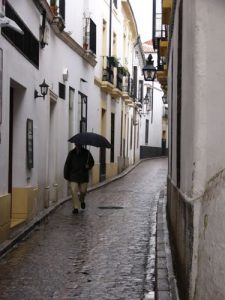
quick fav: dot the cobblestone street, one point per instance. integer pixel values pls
(102, 253)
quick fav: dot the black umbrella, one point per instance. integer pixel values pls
(90, 138)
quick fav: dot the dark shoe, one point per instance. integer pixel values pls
(83, 205)
(75, 211)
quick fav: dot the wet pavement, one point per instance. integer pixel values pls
(105, 252)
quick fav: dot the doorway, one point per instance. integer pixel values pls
(102, 158)
(52, 153)
(10, 164)
(17, 130)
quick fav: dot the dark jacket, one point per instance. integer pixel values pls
(75, 168)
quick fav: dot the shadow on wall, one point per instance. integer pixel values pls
(148, 152)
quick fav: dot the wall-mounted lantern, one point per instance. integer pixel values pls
(146, 99)
(164, 99)
(44, 90)
(149, 71)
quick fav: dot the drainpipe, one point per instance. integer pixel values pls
(110, 27)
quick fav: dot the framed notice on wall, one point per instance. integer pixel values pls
(29, 140)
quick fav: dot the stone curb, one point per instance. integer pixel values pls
(166, 286)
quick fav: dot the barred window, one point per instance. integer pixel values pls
(27, 44)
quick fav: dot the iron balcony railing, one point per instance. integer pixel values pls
(116, 74)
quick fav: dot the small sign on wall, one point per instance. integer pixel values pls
(29, 141)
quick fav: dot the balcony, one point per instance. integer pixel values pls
(109, 69)
(162, 77)
(166, 11)
(163, 46)
(114, 78)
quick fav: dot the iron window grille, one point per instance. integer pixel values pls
(89, 40)
(83, 112)
(62, 8)
(26, 44)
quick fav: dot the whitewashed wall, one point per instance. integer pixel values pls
(202, 142)
(155, 117)
(51, 68)
(17, 68)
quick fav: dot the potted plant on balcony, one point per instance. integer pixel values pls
(113, 61)
(54, 7)
(123, 71)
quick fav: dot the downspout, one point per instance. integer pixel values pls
(110, 27)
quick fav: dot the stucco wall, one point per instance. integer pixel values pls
(211, 235)
(211, 268)
(196, 210)
(180, 215)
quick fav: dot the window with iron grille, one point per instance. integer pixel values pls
(82, 102)
(62, 8)
(62, 91)
(92, 36)
(89, 40)
(131, 87)
(27, 44)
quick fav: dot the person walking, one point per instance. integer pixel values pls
(78, 163)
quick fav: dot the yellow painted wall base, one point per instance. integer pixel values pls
(5, 207)
(95, 174)
(111, 170)
(24, 202)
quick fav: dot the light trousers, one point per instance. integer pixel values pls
(76, 188)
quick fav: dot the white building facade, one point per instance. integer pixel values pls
(154, 116)
(85, 54)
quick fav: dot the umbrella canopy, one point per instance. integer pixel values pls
(90, 138)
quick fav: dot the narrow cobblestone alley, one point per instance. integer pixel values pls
(101, 253)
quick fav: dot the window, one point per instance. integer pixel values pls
(115, 3)
(140, 91)
(89, 37)
(114, 44)
(146, 131)
(62, 91)
(92, 36)
(83, 112)
(62, 8)
(27, 44)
